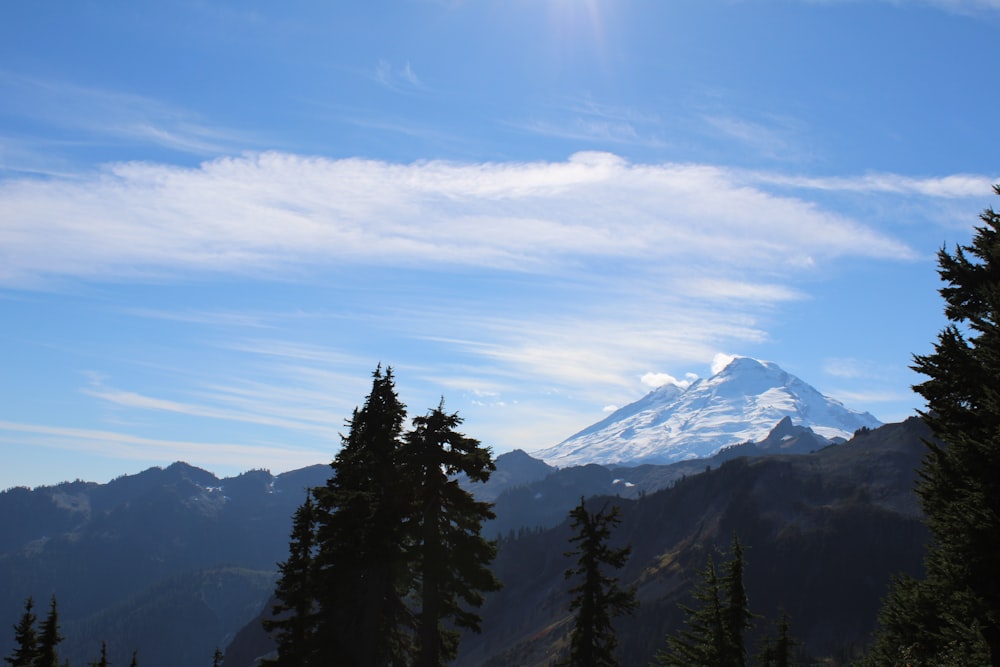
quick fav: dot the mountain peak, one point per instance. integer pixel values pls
(741, 402)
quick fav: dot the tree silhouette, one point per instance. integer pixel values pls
(714, 636)
(449, 553)
(361, 568)
(49, 638)
(293, 619)
(952, 615)
(597, 597)
(103, 660)
(386, 560)
(25, 638)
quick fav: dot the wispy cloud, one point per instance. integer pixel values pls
(212, 318)
(850, 368)
(109, 114)
(276, 212)
(627, 271)
(585, 120)
(304, 421)
(953, 186)
(776, 138)
(128, 446)
(397, 78)
(293, 387)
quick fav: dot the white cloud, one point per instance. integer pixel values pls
(720, 361)
(721, 288)
(585, 120)
(128, 446)
(665, 263)
(277, 212)
(113, 114)
(410, 76)
(948, 187)
(850, 369)
(396, 78)
(771, 140)
(659, 379)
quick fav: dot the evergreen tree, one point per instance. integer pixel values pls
(361, 571)
(134, 662)
(25, 638)
(597, 597)
(715, 631)
(103, 660)
(737, 618)
(778, 653)
(292, 621)
(703, 642)
(952, 615)
(450, 556)
(49, 638)
(217, 658)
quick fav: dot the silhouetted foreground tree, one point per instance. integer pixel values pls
(447, 548)
(103, 660)
(386, 560)
(597, 597)
(952, 616)
(717, 625)
(780, 651)
(25, 638)
(49, 638)
(36, 647)
(292, 622)
(361, 572)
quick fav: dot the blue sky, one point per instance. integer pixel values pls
(216, 218)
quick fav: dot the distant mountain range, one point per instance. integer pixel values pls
(741, 403)
(824, 532)
(175, 562)
(169, 562)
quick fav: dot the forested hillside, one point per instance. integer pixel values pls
(824, 533)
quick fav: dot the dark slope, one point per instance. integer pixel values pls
(825, 532)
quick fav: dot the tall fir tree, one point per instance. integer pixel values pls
(293, 614)
(779, 652)
(597, 596)
(737, 617)
(703, 641)
(716, 626)
(952, 615)
(450, 556)
(103, 660)
(49, 638)
(361, 568)
(25, 638)
(387, 562)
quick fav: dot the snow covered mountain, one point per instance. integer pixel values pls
(740, 403)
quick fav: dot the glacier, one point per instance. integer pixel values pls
(740, 403)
